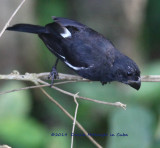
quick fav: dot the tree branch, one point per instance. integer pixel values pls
(39, 77)
(70, 78)
(75, 117)
(35, 78)
(150, 78)
(14, 13)
(145, 78)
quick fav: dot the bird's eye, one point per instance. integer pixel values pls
(129, 73)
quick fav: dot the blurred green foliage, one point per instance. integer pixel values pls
(152, 29)
(15, 123)
(137, 123)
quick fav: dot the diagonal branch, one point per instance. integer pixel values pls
(117, 104)
(75, 116)
(71, 117)
(7, 24)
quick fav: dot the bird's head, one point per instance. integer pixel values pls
(127, 72)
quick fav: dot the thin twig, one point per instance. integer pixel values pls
(61, 76)
(75, 117)
(150, 78)
(7, 24)
(19, 89)
(71, 117)
(117, 104)
(32, 87)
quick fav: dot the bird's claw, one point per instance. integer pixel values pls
(103, 83)
(53, 75)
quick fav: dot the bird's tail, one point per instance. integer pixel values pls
(27, 28)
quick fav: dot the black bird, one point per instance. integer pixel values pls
(85, 51)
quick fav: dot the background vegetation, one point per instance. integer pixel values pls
(27, 118)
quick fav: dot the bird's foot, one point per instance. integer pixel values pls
(53, 75)
(103, 83)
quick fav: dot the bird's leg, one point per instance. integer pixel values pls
(104, 83)
(53, 74)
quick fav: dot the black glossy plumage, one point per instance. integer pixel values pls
(85, 51)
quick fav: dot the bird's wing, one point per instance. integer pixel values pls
(54, 39)
(67, 22)
(77, 45)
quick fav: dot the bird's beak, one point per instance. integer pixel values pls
(135, 84)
